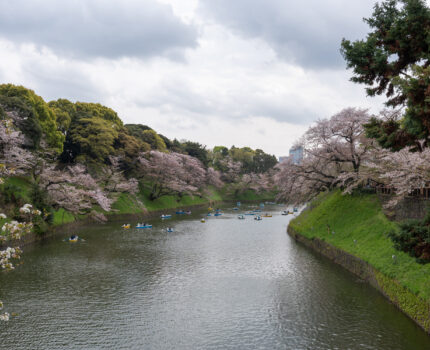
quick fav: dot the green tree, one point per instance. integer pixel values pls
(38, 119)
(96, 110)
(91, 139)
(244, 155)
(65, 111)
(262, 161)
(394, 60)
(197, 150)
(128, 147)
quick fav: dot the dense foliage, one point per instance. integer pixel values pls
(394, 60)
(37, 118)
(414, 238)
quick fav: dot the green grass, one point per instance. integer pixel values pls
(360, 217)
(62, 216)
(126, 204)
(170, 202)
(23, 187)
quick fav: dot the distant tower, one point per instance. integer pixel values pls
(296, 154)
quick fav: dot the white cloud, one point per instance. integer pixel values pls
(307, 33)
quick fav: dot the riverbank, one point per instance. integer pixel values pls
(130, 207)
(352, 231)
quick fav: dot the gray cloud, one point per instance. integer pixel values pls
(239, 105)
(307, 33)
(97, 28)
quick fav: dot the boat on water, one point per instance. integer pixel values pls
(166, 216)
(235, 208)
(210, 209)
(126, 226)
(169, 229)
(74, 239)
(249, 213)
(295, 210)
(180, 212)
(258, 218)
(203, 220)
(256, 211)
(284, 212)
(217, 214)
(209, 214)
(188, 212)
(143, 226)
(241, 217)
(267, 215)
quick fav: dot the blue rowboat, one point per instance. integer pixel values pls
(166, 216)
(217, 214)
(180, 212)
(146, 226)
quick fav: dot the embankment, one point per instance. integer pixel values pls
(136, 207)
(352, 232)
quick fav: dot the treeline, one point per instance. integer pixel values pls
(91, 133)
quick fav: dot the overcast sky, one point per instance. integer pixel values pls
(221, 72)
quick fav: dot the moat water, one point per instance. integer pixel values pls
(223, 284)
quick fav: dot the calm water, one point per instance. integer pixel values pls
(224, 284)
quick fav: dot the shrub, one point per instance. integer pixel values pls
(414, 238)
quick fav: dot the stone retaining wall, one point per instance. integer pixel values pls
(410, 304)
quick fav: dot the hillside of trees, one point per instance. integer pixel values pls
(80, 158)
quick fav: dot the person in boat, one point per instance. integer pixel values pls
(73, 237)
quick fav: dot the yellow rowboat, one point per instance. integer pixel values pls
(267, 216)
(203, 220)
(126, 226)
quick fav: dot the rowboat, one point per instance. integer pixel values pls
(144, 226)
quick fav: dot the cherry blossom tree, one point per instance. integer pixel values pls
(13, 155)
(171, 173)
(340, 139)
(404, 171)
(230, 169)
(334, 152)
(73, 189)
(113, 180)
(213, 177)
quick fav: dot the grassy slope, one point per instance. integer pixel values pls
(360, 218)
(129, 204)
